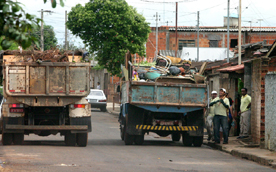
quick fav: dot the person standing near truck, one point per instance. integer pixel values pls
(245, 114)
(210, 116)
(221, 105)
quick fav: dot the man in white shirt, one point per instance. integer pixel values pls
(98, 86)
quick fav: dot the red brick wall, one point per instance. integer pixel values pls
(203, 38)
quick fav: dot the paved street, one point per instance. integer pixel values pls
(106, 152)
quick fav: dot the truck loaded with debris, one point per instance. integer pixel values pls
(45, 94)
(167, 99)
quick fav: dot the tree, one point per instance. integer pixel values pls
(110, 28)
(13, 45)
(50, 39)
(15, 24)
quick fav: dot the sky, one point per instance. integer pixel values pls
(261, 13)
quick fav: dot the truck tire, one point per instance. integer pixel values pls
(122, 133)
(187, 139)
(103, 109)
(175, 137)
(70, 139)
(18, 138)
(7, 138)
(82, 139)
(139, 140)
(197, 141)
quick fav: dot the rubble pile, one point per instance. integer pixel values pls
(53, 55)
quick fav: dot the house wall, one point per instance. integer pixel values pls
(256, 101)
(270, 108)
(166, 39)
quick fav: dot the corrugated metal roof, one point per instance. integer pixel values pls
(232, 68)
(223, 29)
(170, 53)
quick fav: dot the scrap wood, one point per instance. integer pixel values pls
(53, 55)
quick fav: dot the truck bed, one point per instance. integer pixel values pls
(46, 79)
(165, 97)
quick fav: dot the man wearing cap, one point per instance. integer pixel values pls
(221, 106)
(245, 114)
(210, 116)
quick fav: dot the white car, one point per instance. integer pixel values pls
(97, 99)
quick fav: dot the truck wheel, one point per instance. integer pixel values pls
(103, 109)
(175, 137)
(82, 139)
(70, 139)
(122, 133)
(197, 141)
(6, 138)
(139, 140)
(187, 139)
(18, 138)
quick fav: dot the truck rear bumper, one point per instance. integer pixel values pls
(166, 128)
(47, 127)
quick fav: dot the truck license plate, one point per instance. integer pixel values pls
(166, 122)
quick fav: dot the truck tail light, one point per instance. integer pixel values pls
(16, 105)
(158, 122)
(102, 100)
(176, 122)
(79, 106)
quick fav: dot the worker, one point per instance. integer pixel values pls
(210, 117)
(245, 114)
(221, 108)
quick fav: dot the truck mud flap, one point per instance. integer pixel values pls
(166, 128)
(47, 127)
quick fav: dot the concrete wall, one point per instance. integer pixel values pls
(256, 100)
(270, 109)
(97, 76)
(247, 77)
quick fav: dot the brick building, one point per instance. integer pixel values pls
(208, 37)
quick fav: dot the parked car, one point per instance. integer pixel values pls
(97, 99)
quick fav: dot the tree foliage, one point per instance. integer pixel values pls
(50, 39)
(110, 28)
(16, 24)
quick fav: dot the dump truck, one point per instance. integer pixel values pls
(44, 98)
(169, 105)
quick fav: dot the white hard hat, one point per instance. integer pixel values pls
(223, 90)
(214, 92)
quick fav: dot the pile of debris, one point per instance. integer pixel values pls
(53, 55)
(169, 67)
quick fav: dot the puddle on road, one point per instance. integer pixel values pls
(65, 165)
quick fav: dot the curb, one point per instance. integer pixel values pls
(112, 112)
(237, 153)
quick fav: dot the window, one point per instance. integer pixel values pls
(185, 43)
(233, 43)
(213, 43)
(96, 93)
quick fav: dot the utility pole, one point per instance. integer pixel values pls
(42, 32)
(197, 35)
(66, 44)
(176, 46)
(228, 46)
(42, 28)
(156, 35)
(239, 41)
(260, 20)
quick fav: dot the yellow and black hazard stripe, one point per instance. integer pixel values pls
(166, 128)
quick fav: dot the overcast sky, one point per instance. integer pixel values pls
(211, 12)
